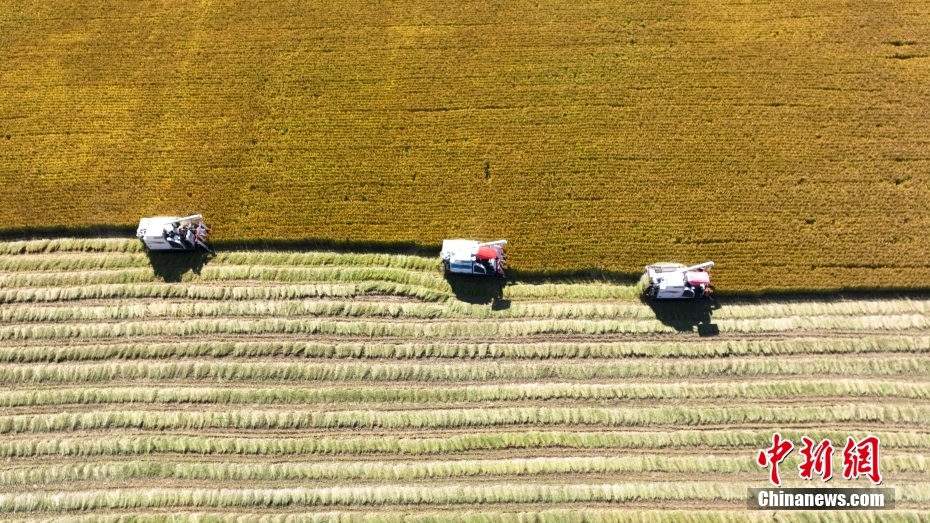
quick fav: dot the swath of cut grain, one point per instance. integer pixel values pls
(902, 365)
(471, 394)
(889, 344)
(131, 382)
(691, 440)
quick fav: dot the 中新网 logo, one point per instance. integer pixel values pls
(860, 458)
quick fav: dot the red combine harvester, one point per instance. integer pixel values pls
(472, 257)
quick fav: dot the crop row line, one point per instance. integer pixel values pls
(389, 495)
(215, 292)
(728, 439)
(444, 329)
(211, 309)
(482, 393)
(63, 261)
(70, 245)
(311, 326)
(891, 344)
(298, 371)
(229, 273)
(412, 471)
(253, 419)
(451, 309)
(424, 515)
(284, 274)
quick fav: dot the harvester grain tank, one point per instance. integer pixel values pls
(474, 257)
(671, 281)
(167, 233)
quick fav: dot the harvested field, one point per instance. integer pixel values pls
(267, 386)
(784, 140)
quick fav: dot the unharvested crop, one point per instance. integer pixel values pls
(785, 142)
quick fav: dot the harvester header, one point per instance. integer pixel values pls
(168, 233)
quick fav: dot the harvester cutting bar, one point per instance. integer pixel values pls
(705, 265)
(204, 246)
(189, 218)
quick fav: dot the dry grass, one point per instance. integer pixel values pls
(221, 417)
(382, 495)
(888, 345)
(251, 303)
(399, 471)
(506, 393)
(648, 442)
(485, 515)
(447, 372)
(156, 498)
(440, 329)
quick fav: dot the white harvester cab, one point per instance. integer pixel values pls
(671, 281)
(473, 257)
(167, 233)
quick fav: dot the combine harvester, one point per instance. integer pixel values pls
(166, 233)
(674, 281)
(473, 257)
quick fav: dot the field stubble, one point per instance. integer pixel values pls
(274, 384)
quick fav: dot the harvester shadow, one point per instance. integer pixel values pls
(686, 315)
(52, 233)
(581, 276)
(479, 290)
(323, 244)
(172, 266)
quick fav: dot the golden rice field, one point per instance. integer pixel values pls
(337, 387)
(785, 140)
